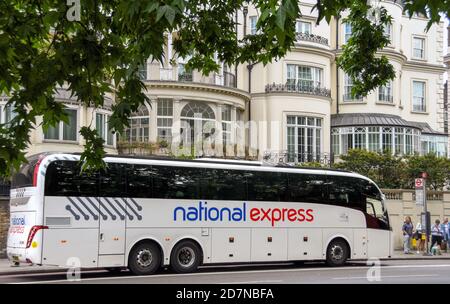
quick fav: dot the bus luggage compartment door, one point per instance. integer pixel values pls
(113, 216)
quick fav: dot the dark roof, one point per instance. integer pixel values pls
(369, 119)
(376, 119)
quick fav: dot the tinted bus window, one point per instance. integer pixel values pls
(63, 178)
(308, 188)
(24, 178)
(266, 186)
(176, 182)
(221, 184)
(139, 181)
(112, 181)
(345, 191)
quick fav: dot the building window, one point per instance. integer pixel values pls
(304, 138)
(385, 93)
(183, 73)
(164, 120)
(64, 131)
(139, 126)
(143, 71)
(7, 113)
(436, 144)
(347, 31)
(102, 125)
(419, 103)
(388, 32)
(253, 21)
(348, 85)
(303, 27)
(303, 78)
(226, 125)
(396, 140)
(418, 48)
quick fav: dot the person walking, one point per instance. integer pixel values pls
(407, 234)
(436, 234)
(446, 236)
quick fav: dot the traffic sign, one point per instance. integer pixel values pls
(418, 183)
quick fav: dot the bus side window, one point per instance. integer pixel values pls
(344, 191)
(266, 186)
(112, 181)
(306, 188)
(223, 184)
(139, 181)
(176, 182)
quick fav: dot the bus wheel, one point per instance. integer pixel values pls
(186, 257)
(144, 259)
(337, 253)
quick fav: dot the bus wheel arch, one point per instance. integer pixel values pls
(145, 257)
(338, 251)
(186, 255)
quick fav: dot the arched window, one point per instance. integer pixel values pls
(197, 110)
(139, 126)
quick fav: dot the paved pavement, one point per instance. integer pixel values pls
(400, 268)
(392, 272)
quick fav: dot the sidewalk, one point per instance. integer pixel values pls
(7, 269)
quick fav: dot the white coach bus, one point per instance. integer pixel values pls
(147, 213)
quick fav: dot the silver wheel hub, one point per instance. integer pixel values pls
(337, 252)
(186, 257)
(144, 258)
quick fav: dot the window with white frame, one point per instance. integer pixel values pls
(253, 21)
(387, 30)
(348, 85)
(164, 120)
(102, 126)
(418, 48)
(64, 131)
(304, 138)
(143, 71)
(7, 113)
(436, 144)
(303, 78)
(419, 101)
(184, 74)
(347, 31)
(385, 92)
(139, 126)
(303, 27)
(226, 125)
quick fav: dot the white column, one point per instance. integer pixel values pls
(176, 125)
(233, 137)
(218, 135)
(169, 48)
(153, 124)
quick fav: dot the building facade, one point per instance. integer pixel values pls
(299, 105)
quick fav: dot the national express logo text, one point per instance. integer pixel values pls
(239, 214)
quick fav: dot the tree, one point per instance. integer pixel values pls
(100, 47)
(437, 169)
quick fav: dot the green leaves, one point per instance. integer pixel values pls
(92, 157)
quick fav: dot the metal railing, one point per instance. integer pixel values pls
(300, 87)
(186, 76)
(166, 74)
(229, 80)
(292, 158)
(385, 98)
(312, 38)
(350, 97)
(5, 187)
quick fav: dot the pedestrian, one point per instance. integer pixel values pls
(445, 232)
(407, 234)
(419, 235)
(436, 234)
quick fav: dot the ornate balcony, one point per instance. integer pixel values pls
(299, 159)
(300, 87)
(312, 38)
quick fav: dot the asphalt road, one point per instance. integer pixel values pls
(392, 272)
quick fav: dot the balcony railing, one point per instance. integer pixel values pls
(349, 97)
(385, 98)
(294, 158)
(185, 77)
(229, 80)
(300, 87)
(312, 38)
(165, 74)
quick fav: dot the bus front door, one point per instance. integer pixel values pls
(113, 217)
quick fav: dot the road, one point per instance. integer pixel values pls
(394, 272)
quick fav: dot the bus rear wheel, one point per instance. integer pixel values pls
(185, 257)
(337, 253)
(144, 259)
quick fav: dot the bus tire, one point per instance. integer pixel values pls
(144, 259)
(186, 257)
(337, 253)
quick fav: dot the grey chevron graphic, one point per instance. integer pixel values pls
(139, 217)
(97, 209)
(130, 216)
(94, 215)
(86, 217)
(112, 215)
(76, 216)
(122, 217)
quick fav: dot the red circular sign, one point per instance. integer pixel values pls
(419, 183)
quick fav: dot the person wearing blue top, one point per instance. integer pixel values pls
(407, 234)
